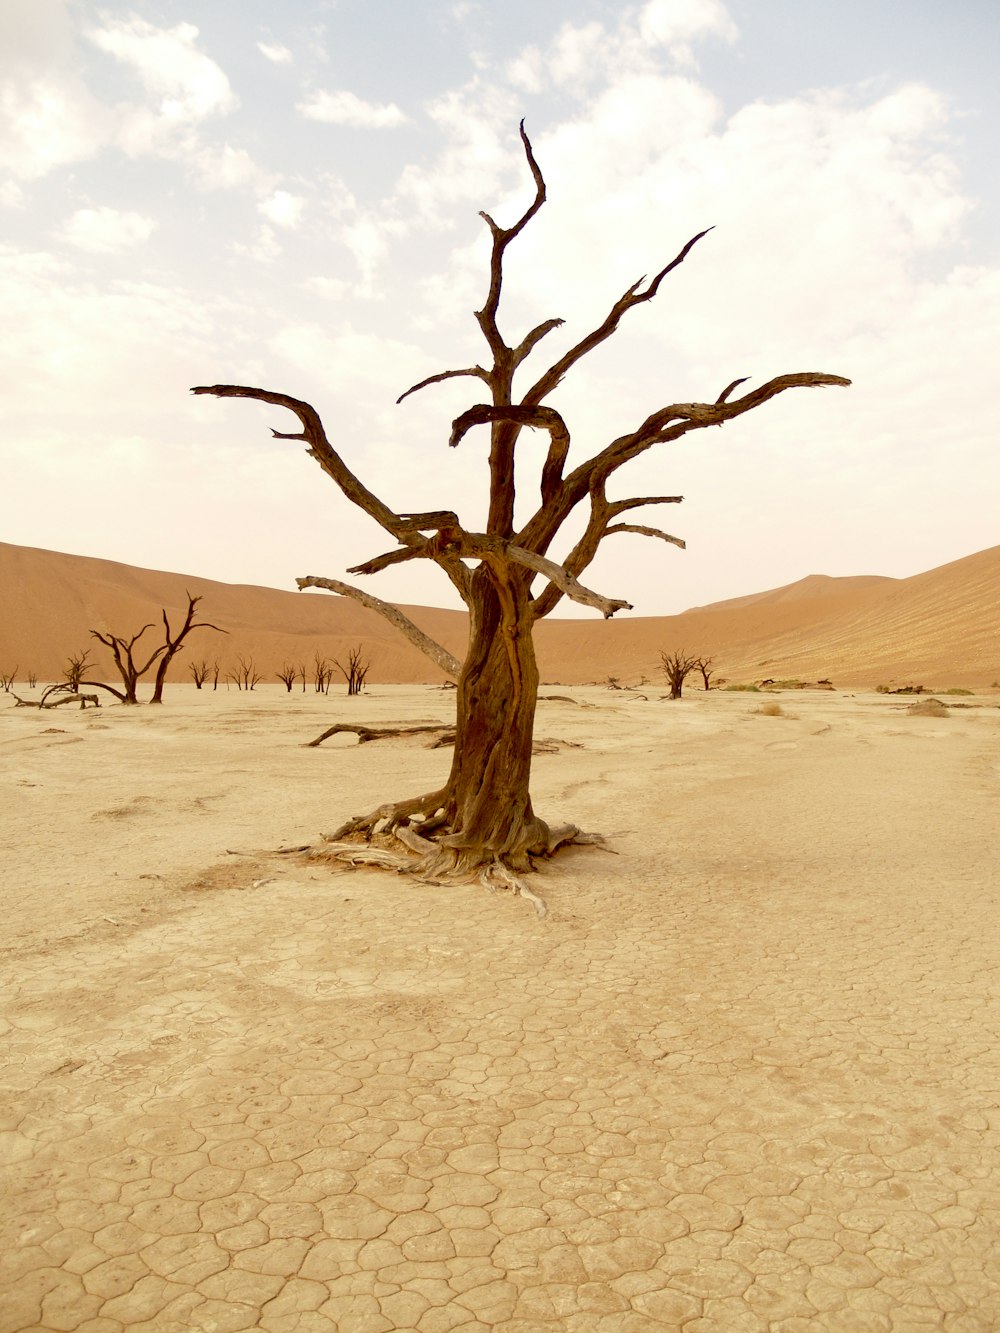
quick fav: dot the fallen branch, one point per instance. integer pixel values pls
(365, 734)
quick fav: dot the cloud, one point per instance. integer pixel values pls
(676, 24)
(282, 208)
(47, 116)
(345, 108)
(184, 86)
(103, 231)
(275, 52)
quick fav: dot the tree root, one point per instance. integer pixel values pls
(412, 838)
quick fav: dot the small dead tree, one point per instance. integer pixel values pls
(32, 678)
(704, 665)
(216, 669)
(481, 822)
(322, 674)
(677, 666)
(75, 667)
(7, 679)
(199, 672)
(301, 671)
(245, 674)
(174, 642)
(355, 671)
(287, 675)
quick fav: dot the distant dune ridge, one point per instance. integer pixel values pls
(940, 628)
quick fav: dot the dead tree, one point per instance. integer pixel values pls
(122, 651)
(199, 671)
(355, 671)
(173, 643)
(75, 666)
(7, 679)
(481, 822)
(287, 675)
(322, 674)
(677, 667)
(245, 674)
(704, 665)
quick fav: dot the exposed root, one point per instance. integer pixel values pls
(416, 838)
(496, 875)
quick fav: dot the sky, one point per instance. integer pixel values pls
(287, 196)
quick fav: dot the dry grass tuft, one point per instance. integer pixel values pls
(770, 710)
(929, 708)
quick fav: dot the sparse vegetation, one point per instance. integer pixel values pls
(748, 689)
(928, 708)
(7, 679)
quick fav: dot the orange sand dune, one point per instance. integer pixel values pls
(939, 628)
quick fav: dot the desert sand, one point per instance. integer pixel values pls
(744, 1076)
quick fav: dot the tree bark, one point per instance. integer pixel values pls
(488, 805)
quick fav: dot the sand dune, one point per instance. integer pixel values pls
(937, 628)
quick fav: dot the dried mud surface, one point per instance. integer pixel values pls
(743, 1077)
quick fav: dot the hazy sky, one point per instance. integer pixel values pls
(287, 196)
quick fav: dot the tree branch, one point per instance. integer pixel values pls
(633, 297)
(616, 507)
(532, 339)
(477, 372)
(566, 582)
(646, 532)
(438, 655)
(319, 448)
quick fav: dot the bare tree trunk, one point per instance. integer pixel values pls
(488, 805)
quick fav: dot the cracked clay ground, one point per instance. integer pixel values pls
(744, 1076)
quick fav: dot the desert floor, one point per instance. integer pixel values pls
(743, 1077)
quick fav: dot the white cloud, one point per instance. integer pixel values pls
(46, 124)
(219, 167)
(184, 86)
(282, 208)
(345, 108)
(189, 85)
(275, 52)
(106, 230)
(675, 24)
